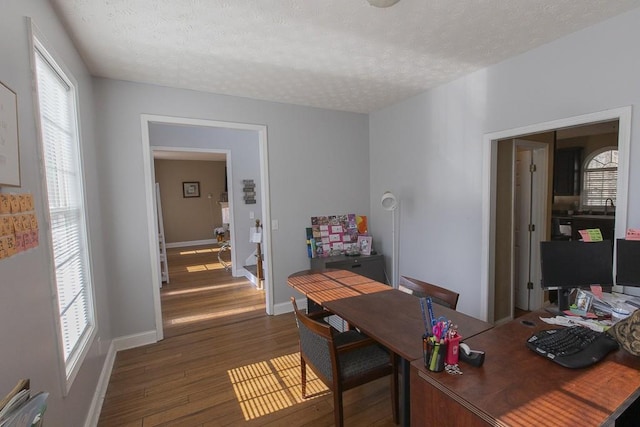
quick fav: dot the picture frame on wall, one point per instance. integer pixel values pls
(364, 244)
(191, 189)
(9, 149)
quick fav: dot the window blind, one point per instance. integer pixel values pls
(60, 147)
(600, 178)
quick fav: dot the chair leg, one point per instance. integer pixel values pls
(337, 406)
(394, 388)
(303, 375)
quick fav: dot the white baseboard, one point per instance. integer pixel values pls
(101, 389)
(191, 243)
(253, 279)
(286, 307)
(123, 343)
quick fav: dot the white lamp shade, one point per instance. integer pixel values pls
(389, 201)
(383, 3)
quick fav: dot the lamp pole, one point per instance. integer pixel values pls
(390, 203)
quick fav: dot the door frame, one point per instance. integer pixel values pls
(149, 195)
(489, 174)
(235, 271)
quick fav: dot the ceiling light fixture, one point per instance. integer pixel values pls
(382, 3)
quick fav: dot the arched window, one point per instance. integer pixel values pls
(600, 177)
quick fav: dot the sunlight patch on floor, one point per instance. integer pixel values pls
(214, 315)
(199, 251)
(266, 387)
(204, 267)
(197, 289)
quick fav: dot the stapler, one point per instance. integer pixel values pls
(472, 357)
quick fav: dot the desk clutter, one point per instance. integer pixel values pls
(441, 343)
(20, 409)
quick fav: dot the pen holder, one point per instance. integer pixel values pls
(453, 349)
(434, 354)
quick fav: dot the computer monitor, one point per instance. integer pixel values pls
(628, 262)
(573, 264)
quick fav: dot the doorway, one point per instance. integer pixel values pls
(199, 220)
(494, 290)
(254, 131)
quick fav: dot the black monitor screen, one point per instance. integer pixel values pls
(572, 264)
(628, 262)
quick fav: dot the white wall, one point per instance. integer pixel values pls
(428, 149)
(318, 164)
(29, 343)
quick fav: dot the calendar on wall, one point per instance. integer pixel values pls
(18, 224)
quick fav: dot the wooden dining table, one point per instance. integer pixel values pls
(390, 316)
(330, 285)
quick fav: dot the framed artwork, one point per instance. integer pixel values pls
(364, 244)
(191, 189)
(9, 150)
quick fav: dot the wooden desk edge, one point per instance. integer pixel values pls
(464, 403)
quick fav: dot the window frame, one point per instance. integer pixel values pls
(586, 170)
(70, 367)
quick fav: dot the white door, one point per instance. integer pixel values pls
(529, 228)
(522, 238)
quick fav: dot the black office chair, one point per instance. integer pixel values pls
(342, 360)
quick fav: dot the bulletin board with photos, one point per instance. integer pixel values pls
(19, 229)
(333, 234)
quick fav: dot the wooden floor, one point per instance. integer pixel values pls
(224, 362)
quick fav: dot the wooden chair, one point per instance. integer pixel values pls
(438, 294)
(342, 360)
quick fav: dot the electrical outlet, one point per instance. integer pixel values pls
(252, 215)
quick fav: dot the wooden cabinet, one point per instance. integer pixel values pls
(567, 170)
(371, 266)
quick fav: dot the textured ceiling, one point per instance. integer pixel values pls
(336, 54)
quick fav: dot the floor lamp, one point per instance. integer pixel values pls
(390, 203)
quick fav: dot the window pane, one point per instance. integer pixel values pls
(65, 203)
(601, 179)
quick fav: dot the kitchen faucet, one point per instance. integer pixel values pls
(606, 201)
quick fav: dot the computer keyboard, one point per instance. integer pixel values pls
(573, 347)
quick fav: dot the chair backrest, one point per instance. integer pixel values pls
(438, 294)
(316, 344)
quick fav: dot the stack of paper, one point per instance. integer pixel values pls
(605, 302)
(19, 409)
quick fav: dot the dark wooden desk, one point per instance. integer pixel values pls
(394, 319)
(516, 387)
